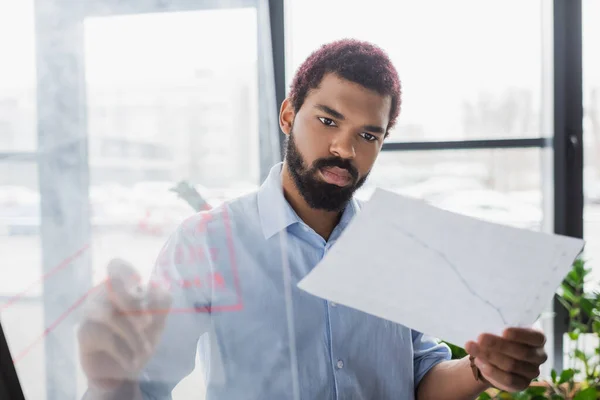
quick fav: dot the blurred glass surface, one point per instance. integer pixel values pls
(165, 108)
(464, 74)
(591, 134)
(17, 77)
(175, 109)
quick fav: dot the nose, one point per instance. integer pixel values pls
(343, 146)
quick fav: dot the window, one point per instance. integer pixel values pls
(591, 134)
(19, 195)
(464, 74)
(21, 309)
(17, 76)
(175, 94)
(504, 186)
(165, 102)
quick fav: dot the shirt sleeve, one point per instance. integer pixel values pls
(427, 353)
(183, 267)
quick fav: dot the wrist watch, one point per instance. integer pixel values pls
(476, 372)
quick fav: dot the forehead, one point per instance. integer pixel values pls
(351, 99)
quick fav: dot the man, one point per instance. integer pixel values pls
(225, 283)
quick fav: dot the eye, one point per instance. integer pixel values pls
(368, 137)
(327, 121)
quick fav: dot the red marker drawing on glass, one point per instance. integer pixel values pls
(217, 280)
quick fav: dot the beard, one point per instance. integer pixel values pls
(317, 193)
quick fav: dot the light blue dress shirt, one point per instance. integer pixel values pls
(233, 273)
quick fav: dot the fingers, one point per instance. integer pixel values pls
(504, 362)
(530, 337)
(521, 352)
(125, 328)
(124, 285)
(126, 293)
(502, 379)
(102, 372)
(99, 338)
(118, 333)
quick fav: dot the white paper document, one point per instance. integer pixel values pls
(441, 273)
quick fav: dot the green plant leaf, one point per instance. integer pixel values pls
(457, 351)
(579, 268)
(596, 327)
(564, 302)
(484, 396)
(568, 294)
(578, 272)
(587, 394)
(566, 376)
(553, 375)
(581, 328)
(580, 355)
(587, 306)
(557, 397)
(573, 275)
(536, 390)
(570, 280)
(519, 396)
(574, 335)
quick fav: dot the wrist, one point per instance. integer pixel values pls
(477, 375)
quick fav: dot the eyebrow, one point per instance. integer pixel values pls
(330, 111)
(340, 116)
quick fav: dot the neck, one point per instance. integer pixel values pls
(321, 221)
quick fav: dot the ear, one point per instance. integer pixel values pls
(286, 116)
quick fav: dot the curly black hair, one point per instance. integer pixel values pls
(356, 61)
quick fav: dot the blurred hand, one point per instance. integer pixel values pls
(121, 328)
(511, 361)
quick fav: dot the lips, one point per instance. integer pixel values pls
(336, 176)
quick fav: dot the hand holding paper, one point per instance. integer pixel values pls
(512, 361)
(443, 274)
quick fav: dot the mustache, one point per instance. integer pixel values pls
(337, 162)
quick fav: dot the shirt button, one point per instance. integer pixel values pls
(332, 304)
(340, 364)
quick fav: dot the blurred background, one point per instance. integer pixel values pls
(105, 106)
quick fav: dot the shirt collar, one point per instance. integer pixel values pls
(349, 212)
(275, 212)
